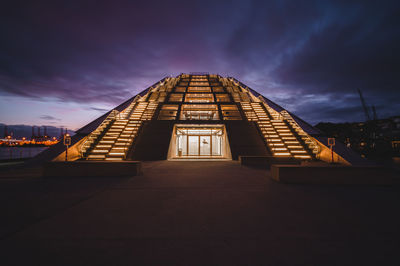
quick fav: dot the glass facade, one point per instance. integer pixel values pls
(199, 141)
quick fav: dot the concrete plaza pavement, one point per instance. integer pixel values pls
(196, 213)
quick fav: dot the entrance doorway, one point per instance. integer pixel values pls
(199, 142)
(199, 145)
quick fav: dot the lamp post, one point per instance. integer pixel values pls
(331, 143)
(67, 142)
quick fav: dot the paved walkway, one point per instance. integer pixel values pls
(196, 213)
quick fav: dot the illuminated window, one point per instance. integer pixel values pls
(199, 89)
(180, 89)
(199, 79)
(199, 98)
(175, 97)
(199, 112)
(218, 89)
(168, 112)
(199, 83)
(182, 83)
(222, 97)
(230, 112)
(158, 96)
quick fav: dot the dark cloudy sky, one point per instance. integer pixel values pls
(65, 62)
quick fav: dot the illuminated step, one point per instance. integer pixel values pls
(292, 142)
(118, 149)
(122, 139)
(114, 159)
(279, 149)
(271, 136)
(112, 133)
(269, 132)
(116, 154)
(285, 134)
(275, 144)
(128, 132)
(283, 127)
(110, 137)
(103, 146)
(96, 156)
(99, 151)
(127, 135)
(294, 146)
(274, 140)
(122, 143)
(282, 154)
(302, 156)
(298, 151)
(106, 141)
(289, 138)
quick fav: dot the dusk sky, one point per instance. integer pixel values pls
(64, 63)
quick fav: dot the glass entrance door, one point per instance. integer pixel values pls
(199, 141)
(193, 147)
(205, 145)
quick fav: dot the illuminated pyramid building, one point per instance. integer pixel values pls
(196, 116)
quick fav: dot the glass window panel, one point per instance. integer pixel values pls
(199, 83)
(193, 142)
(218, 89)
(199, 89)
(180, 89)
(199, 112)
(175, 97)
(169, 107)
(222, 97)
(230, 112)
(168, 112)
(199, 97)
(205, 145)
(216, 145)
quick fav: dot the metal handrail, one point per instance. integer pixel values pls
(92, 137)
(317, 149)
(127, 144)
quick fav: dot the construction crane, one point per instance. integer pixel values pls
(367, 115)
(375, 116)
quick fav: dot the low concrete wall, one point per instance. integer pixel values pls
(297, 174)
(92, 169)
(265, 161)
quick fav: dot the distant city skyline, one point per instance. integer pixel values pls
(25, 131)
(65, 64)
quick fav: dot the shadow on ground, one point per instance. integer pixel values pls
(196, 213)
